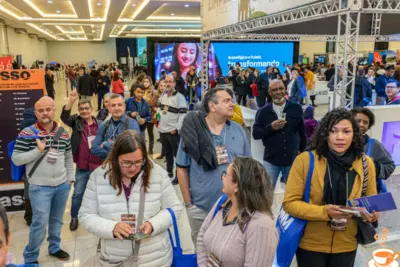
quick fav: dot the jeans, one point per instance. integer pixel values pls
(196, 218)
(150, 132)
(306, 258)
(100, 96)
(170, 143)
(274, 171)
(73, 84)
(143, 134)
(241, 99)
(81, 180)
(48, 206)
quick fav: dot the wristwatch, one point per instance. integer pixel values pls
(187, 205)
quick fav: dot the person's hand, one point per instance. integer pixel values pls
(146, 228)
(73, 96)
(134, 114)
(371, 217)
(122, 230)
(141, 121)
(278, 124)
(104, 84)
(173, 132)
(70, 183)
(41, 145)
(334, 212)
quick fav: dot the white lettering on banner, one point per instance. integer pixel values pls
(11, 201)
(285, 220)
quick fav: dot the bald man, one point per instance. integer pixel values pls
(280, 126)
(50, 182)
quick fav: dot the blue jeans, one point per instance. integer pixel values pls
(48, 206)
(143, 134)
(274, 171)
(81, 180)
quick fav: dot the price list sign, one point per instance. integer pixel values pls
(19, 90)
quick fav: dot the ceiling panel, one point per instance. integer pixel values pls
(52, 7)
(181, 9)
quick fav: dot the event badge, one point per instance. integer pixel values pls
(129, 219)
(165, 110)
(338, 225)
(52, 155)
(222, 155)
(90, 140)
(213, 261)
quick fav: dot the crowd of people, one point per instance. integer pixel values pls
(120, 192)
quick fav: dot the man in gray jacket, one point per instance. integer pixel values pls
(49, 181)
(384, 164)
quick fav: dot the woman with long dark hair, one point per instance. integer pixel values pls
(151, 97)
(117, 85)
(184, 56)
(242, 232)
(341, 172)
(112, 203)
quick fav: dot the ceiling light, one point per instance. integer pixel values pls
(172, 14)
(58, 11)
(186, 5)
(133, 4)
(99, 4)
(50, 1)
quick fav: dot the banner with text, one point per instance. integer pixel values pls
(6, 63)
(217, 13)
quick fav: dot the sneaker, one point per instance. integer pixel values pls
(61, 255)
(175, 181)
(160, 157)
(74, 224)
(170, 175)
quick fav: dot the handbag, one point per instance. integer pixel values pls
(180, 259)
(365, 230)
(291, 229)
(132, 261)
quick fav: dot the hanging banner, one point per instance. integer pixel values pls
(217, 13)
(377, 57)
(19, 90)
(6, 63)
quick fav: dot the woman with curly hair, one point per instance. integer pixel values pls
(330, 237)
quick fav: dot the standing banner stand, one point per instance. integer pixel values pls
(19, 90)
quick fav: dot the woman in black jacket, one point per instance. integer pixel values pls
(242, 84)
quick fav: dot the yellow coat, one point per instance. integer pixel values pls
(237, 115)
(318, 236)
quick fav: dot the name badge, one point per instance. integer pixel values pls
(129, 219)
(52, 155)
(338, 225)
(222, 155)
(90, 140)
(213, 261)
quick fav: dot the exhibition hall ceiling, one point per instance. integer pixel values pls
(97, 20)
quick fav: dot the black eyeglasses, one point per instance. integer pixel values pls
(128, 164)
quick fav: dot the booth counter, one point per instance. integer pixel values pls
(322, 90)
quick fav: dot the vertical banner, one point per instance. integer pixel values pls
(6, 63)
(19, 90)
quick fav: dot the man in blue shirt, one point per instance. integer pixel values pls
(380, 85)
(210, 141)
(110, 129)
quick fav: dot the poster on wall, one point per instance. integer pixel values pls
(6, 63)
(219, 14)
(19, 90)
(391, 140)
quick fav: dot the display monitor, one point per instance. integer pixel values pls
(391, 139)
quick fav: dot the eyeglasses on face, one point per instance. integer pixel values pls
(129, 164)
(391, 87)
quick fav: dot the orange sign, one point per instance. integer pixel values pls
(6, 63)
(22, 80)
(383, 257)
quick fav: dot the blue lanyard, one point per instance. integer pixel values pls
(114, 130)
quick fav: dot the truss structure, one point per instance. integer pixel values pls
(204, 65)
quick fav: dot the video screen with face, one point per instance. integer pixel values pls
(178, 57)
(391, 139)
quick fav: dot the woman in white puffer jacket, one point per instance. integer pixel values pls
(114, 190)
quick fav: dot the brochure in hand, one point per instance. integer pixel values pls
(379, 203)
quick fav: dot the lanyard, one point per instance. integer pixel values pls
(226, 240)
(114, 129)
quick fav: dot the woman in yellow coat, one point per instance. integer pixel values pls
(330, 237)
(237, 112)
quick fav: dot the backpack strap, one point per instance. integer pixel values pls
(218, 207)
(370, 143)
(307, 190)
(365, 181)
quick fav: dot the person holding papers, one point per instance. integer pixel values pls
(339, 174)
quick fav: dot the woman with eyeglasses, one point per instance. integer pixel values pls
(242, 232)
(111, 205)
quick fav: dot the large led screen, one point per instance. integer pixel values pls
(391, 139)
(179, 57)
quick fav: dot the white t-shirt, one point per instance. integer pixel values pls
(279, 110)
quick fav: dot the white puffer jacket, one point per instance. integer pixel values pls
(101, 210)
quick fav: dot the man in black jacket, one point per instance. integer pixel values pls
(49, 80)
(280, 125)
(103, 87)
(86, 87)
(84, 128)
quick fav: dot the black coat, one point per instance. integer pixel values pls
(242, 84)
(87, 85)
(100, 85)
(180, 86)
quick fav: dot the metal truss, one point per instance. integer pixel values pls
(304, 13)
(204, 65)
(381, 6)
(346, 58)
(376, 23)
(302, 38)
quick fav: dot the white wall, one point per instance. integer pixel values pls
(82, 52)
(394, 46)
(364, 47)
(310, 48)
(31, 49)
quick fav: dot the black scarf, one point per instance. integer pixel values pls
(338, 167)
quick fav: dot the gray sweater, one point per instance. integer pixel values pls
(47, 174)
(255, 247)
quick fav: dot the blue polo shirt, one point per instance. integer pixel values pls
(206, 187)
